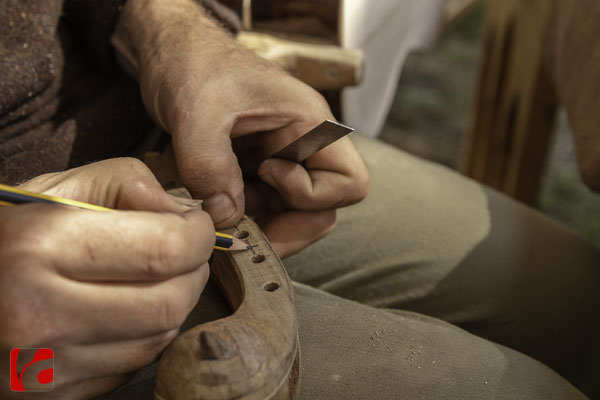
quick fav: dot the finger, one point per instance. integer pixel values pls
(292, 231)
(123, 183)
(121, 357)
(334, 177)
(114, 246)
(210, 170)
(88, 313)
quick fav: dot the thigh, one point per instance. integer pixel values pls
(353, 351)
(432, 241)
(350, 350)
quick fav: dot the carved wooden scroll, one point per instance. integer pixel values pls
(252, 354)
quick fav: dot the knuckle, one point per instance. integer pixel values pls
(18, 332)
(160, 341)
(362, 187)
(28, 234)
(202, 228)
(144, 187)
(189, 166)
(208, 169)
(330, 222)
(130, 165)
(38, 181)
(168, 254)
(298, 200)
(319, 100)
(357, 187)
(125, 173)
(174, 310)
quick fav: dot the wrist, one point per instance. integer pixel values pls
(146, 27)
(170, 46)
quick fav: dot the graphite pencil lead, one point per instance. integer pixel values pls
(239, 245)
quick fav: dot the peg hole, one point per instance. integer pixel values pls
(258, 258)
(241, 234)
(271, 286)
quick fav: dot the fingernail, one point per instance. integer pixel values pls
(220, 207)
(192, 203)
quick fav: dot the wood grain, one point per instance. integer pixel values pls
(254, 353)
(514, 102)
(322, 66)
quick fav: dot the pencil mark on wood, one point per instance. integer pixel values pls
(252, 354)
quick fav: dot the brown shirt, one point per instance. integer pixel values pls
(63, 101)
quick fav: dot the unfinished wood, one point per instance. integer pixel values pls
(322, 66)
(252, 354)
(514, 104)
(313, 22)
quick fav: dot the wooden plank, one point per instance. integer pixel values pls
(322, 66)
(514, 105)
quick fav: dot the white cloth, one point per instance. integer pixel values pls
(386, 31)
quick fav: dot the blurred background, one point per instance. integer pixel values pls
(437, 92)
(430, 115)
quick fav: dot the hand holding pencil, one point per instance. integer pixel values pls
(12, 196)
(107, 291)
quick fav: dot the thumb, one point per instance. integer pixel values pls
(210, 171)
(123, 183)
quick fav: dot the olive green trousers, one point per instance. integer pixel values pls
(435, 287)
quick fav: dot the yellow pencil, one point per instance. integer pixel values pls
(11, 196)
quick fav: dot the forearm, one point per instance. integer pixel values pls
(169, 45)
(149, 30)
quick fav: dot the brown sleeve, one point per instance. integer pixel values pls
(93, 22)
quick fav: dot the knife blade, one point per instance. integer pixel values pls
(314, 140)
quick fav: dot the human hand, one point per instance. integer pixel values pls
(206, 90)
(107, 291)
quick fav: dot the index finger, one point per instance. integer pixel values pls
(334, 177)
(123, 245)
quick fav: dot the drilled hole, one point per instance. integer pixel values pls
(271, 286)
(258, 258)
(242, 234)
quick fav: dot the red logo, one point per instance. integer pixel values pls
(31, 370)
